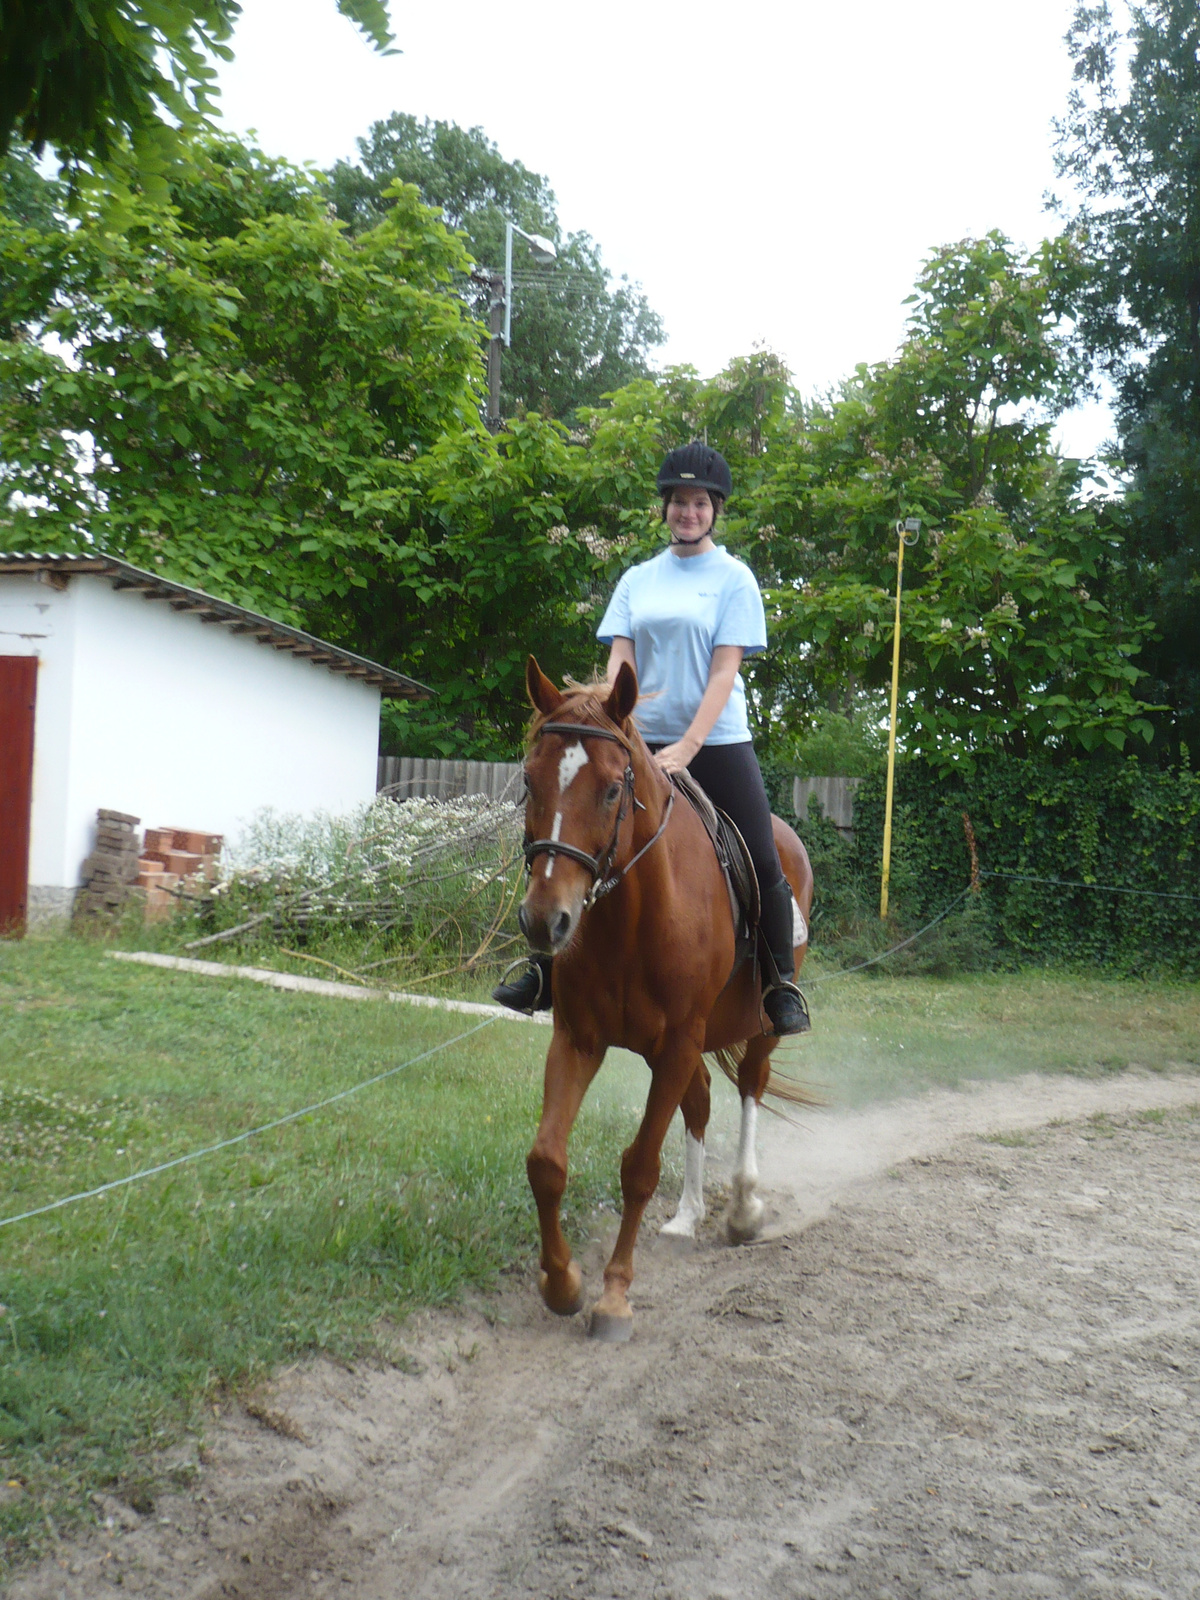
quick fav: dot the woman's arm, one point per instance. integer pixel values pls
(722, 670)
(620, 650)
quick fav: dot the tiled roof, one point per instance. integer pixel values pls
(236, 618)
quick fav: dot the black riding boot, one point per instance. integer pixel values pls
(530, 991)
(782, 1001)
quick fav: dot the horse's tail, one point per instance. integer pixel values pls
(779, 1085)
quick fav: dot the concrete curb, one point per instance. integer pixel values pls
(335, 991)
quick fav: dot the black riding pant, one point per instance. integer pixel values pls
(730, 777)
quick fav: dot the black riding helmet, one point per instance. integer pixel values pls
(695, 466)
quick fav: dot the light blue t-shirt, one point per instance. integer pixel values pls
(677, 610)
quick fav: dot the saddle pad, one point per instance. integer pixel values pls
(736, 865)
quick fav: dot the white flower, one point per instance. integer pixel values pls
(946, 625)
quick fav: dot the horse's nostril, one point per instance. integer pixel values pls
(560, 926)
(523, 921)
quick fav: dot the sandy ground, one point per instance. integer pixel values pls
(956, 1365)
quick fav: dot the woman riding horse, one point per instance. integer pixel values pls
(684, 620)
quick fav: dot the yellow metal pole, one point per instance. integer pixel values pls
(891, 764)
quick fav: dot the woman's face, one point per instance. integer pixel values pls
(689, 514)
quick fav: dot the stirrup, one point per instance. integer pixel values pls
(799, 1022)
(517, 996)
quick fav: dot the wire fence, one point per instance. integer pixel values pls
(1100, 888)
(845, 972)
(240, 1138)
(973, 887)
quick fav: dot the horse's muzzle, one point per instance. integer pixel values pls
(547, 929)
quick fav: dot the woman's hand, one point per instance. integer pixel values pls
(675, 757)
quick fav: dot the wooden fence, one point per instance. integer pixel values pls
(408, 776)
(405, 777)
(835, 794)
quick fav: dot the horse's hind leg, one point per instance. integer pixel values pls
(695, 1107)
(568, 1073)
(745, 1214)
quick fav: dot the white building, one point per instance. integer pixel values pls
(121, 690)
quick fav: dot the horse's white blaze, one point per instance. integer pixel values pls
(575, 757)
(554, 833)
(691, 1205)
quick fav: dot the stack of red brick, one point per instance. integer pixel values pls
(169, 857)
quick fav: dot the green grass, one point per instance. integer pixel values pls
(124, 1314)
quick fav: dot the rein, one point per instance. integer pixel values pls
(604, 879)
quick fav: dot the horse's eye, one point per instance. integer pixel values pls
(612, 793)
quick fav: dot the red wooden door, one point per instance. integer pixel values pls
(18, 692)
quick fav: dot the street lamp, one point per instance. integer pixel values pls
(906, 533)
(543, 253)
(500, 309)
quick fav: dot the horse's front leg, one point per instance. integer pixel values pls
(744, 1218)
(671, 1073)
(569, 1070)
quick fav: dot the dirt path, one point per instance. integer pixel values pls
(955, 1366)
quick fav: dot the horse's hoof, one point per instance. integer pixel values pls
(610, 1328)
(747, 1224)
(570, 1301)
(681, 1226)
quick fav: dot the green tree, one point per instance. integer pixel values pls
(236, 393)
(575, 335)
(25, 194)
(1130, 143)
(231, 390)
(1016, 633)
(116, 82)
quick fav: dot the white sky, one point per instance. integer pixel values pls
(768, 172)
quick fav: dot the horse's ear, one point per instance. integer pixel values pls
(624, 694)
(543, 696)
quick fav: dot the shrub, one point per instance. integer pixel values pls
(424, 880)
(1104, 832)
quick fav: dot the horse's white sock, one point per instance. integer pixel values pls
(747, 1163)
(746, 1209)
(691, 1204)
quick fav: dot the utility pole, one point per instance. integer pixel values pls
(497, 308)
(500, 309)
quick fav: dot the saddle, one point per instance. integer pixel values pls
(741, 881)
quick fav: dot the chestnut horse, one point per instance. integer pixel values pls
(626, 893)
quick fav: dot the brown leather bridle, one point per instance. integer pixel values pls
(604, 879)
